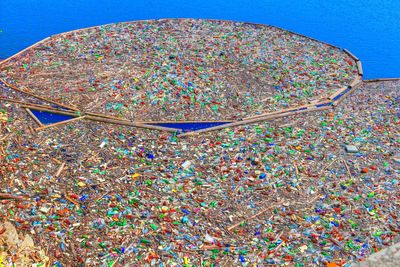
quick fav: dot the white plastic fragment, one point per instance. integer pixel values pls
(186, 164)
(351, 149)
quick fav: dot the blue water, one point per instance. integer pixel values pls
(47, 118)
(368, 28)
(191, 126)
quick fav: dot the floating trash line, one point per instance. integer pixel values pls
(183, 128)
(323, 105)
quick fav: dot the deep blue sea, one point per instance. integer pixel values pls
(368, 28)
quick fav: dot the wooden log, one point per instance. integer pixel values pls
(360, 69)
(34, 117)
(38, 97)
(250, 121)
(59, 123)
(351, 55)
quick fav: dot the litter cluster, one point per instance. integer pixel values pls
(181, 69)
(306, 190)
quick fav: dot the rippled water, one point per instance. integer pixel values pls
(368, 28)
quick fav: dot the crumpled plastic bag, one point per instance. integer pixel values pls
(16, 249)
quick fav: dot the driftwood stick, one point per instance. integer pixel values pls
(60, 169)
(348, 169)
(12, 197)
(330, 164)
(72, 200)
(252, 217)
(34, 117)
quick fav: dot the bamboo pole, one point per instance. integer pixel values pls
(38, 97)
(59, 123)
(34, 117)
(250, 121)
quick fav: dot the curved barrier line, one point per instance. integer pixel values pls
(278, 111)
(251, 121)
(382, 80)
(323, 105)
(351, 54)
(22, 51)
(332, 101)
